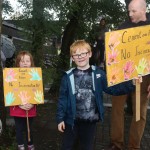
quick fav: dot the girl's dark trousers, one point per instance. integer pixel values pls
(21, 128)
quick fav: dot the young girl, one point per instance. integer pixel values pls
(24, 60)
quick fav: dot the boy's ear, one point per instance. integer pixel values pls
(72, 58)
(90, 54)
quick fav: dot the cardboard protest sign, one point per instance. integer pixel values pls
(23, 85)
(127, 54)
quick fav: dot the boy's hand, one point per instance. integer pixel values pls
(148, 89)
(138, 79)
(26, 106)
(61, 126)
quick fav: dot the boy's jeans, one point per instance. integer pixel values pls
(136, 128)
(83, 131)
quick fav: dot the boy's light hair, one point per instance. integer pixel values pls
(79, 44)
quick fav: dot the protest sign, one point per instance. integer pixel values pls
(127, 54)
(22, 86)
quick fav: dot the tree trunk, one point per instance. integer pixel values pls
(67, 40)
(69, 35)
(38, 31)
(2, 107)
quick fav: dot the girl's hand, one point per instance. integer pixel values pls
(61, 126)
(26, 106)
(29, 106)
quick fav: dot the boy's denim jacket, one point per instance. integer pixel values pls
(66, 109)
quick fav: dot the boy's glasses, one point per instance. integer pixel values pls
(82, 55)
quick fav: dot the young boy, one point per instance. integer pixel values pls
(80, 103)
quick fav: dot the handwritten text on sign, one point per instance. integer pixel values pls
(127, 54)
(22, 86)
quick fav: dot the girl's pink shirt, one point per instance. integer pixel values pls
(18, 112)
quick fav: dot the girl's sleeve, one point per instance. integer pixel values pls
(118, 89)
(62, 100)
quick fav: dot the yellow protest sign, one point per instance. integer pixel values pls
(127, 54)
(23, 85)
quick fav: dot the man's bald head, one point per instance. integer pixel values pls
(137, 10)
(140, 3)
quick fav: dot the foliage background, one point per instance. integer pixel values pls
(68, 20)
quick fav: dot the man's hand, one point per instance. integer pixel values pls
(139, 79)
(26, 106)
(61, 126)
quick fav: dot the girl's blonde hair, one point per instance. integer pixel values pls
(22, 54)
(79, 44)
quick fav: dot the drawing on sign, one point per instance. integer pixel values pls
(38, 96)
(9, 98)
(23, 86)
(114, 40)
(141, 66)
(10, 76)
(24, 97)
(148, 66)
(113, 75)
(128, 69)
(34, 74)
(112, 57)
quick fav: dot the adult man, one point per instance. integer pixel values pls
(137, 14)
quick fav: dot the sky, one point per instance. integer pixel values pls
(13, 3)
(122, 1)
(15, 6)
